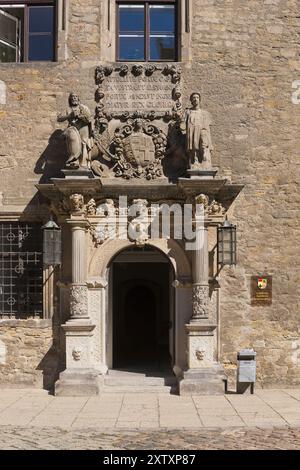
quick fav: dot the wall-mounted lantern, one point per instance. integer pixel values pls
(227, 244)
(51, 244)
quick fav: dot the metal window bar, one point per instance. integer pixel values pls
(21, 270)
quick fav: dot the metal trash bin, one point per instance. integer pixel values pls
(246, 370)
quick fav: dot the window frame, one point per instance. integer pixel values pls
(146, 3)
(25, 33)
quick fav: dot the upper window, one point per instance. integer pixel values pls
(27, 31)
(147, 31)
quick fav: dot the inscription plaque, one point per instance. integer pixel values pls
(261, 290)
(150, 91)
(132, 93)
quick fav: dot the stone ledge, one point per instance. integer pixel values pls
(30, 323)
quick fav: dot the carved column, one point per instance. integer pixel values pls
(200, 272)
(78, 290)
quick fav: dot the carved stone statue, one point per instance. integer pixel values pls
(198, 138)
(78, 134)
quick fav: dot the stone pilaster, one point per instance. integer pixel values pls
(78, 289)
(200, 270)
(203, 375)
(78, 230)
(80, 378)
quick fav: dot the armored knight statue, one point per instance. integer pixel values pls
(78, 133)
(196, 125)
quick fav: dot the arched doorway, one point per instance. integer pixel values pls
(142, 310)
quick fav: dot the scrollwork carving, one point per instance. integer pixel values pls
(90, 207)
(211, 207)
(102, 72)
(137, 70)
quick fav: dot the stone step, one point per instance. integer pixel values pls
(138, 389)
(137, 373)
(117, 381)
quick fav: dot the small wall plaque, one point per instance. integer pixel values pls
(261, 290)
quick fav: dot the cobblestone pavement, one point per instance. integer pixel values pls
(33, 419)
(17, 438)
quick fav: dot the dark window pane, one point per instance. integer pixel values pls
(131, 18)
(41, 19)
(8, 27)
(40, 47)
(162, 48)
(7, 53)
(162, 18)
(131, 48)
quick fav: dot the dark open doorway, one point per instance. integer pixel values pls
(142, 314)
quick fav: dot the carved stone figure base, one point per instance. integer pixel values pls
(78, 383)
(203, 381)
(196, 173)
(80, 173)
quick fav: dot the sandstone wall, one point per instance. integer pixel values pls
(244, 57)
(27, 354)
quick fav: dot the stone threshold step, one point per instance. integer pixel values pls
(137, 389)
(139, 381)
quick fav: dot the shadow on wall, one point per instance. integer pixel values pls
(49, 366)
(53, 159)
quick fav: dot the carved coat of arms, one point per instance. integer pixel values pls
(138, 150)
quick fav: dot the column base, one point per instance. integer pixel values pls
(203, 381)
(78, 383)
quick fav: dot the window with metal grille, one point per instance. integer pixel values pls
(21, 270)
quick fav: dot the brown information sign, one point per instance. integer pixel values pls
(261, 290)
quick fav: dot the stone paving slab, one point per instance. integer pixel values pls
(36, 408)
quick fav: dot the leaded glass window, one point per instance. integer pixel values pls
(21, 270)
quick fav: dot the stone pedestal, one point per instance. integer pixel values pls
(204, 376)
(203, 381)
(196, 173)
(79, 379)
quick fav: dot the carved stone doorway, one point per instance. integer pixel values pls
(142, 311)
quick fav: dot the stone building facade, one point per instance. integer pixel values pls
(243, 58)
